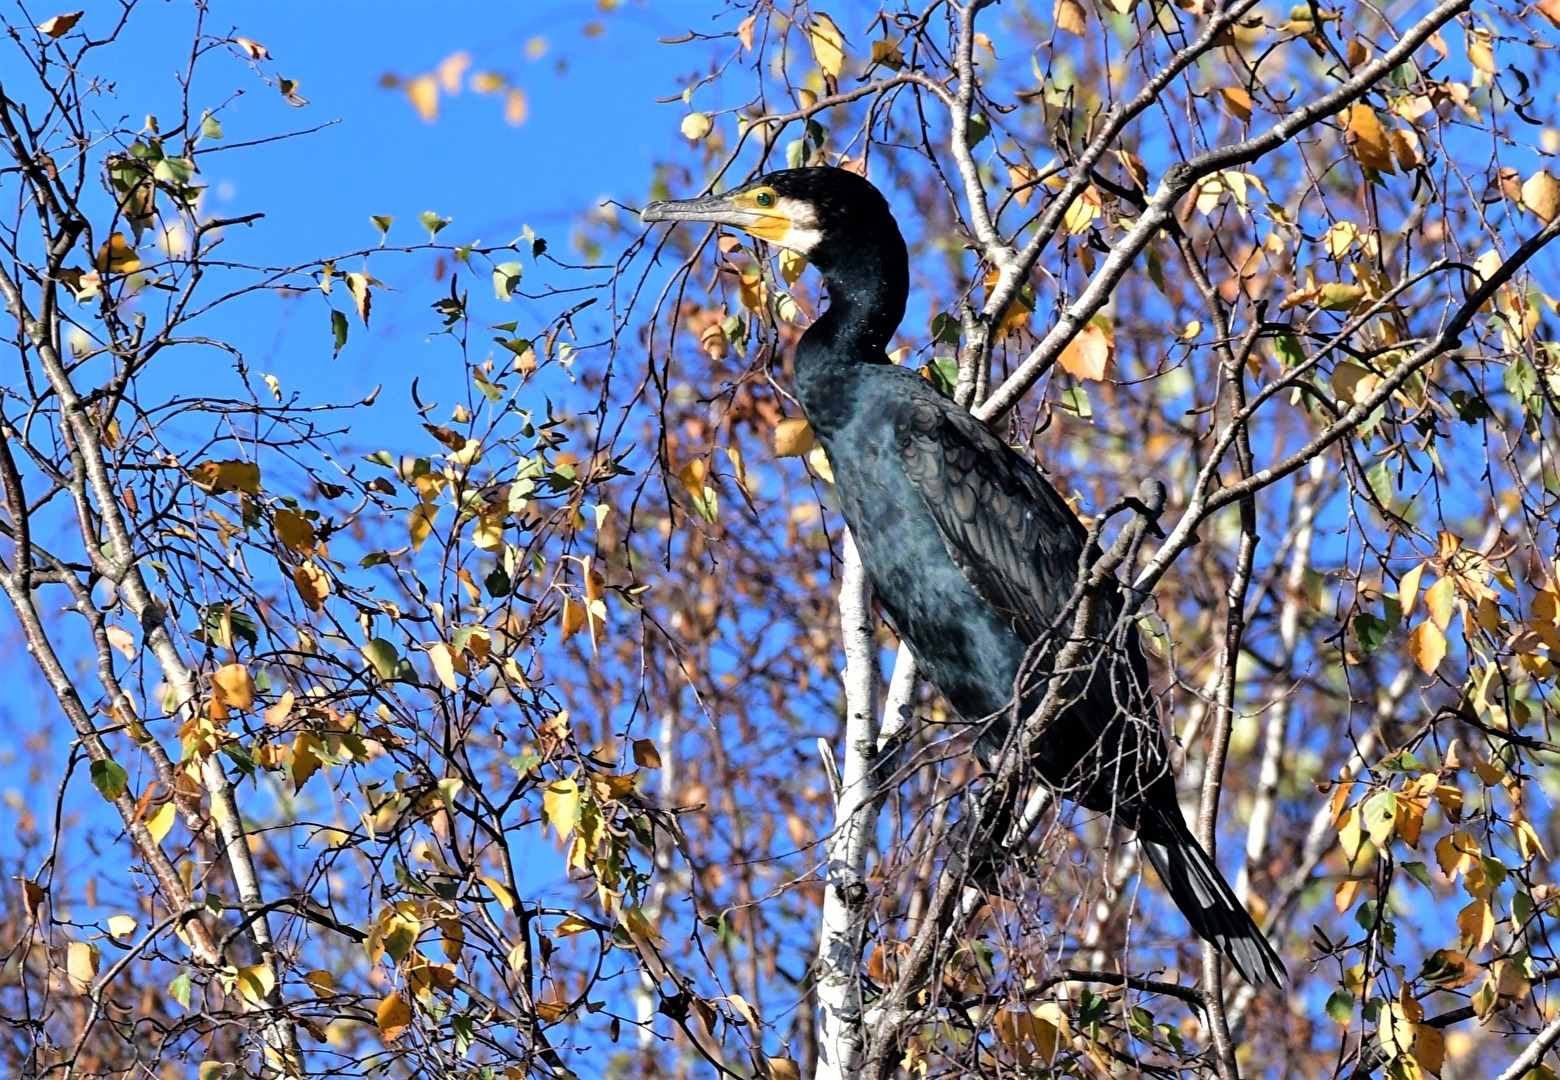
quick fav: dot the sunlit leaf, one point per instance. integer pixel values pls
(59, 25)
(393, 1015)
(828, 44)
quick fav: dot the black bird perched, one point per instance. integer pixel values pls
(971, 553)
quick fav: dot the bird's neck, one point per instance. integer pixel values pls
(866, 303)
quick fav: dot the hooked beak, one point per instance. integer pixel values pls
(716, 209)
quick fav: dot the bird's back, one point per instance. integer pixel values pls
(973, 557)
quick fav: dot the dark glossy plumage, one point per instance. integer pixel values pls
(971, 553)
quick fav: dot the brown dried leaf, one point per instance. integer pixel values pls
(59, 25)
(1088, 354)
(1071, 17)
(1541, 194)
(312, 585)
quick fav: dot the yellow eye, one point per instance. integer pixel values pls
(765, 199)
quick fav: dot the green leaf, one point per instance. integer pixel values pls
(944, 373)
(1288, 350)
(506, 279)
(1370, 631)
(432, 222)
(382, 656)
(1340, 1006)
(110, 778)
(1417, 871)
(977, 129)
(338, 328)
(179, 989)
(945, 328)
(1075, 399)
(177, 171)
(210, 128)
(382, 223)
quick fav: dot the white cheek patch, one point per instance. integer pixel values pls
(804, 234)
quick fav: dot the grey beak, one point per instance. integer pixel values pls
(716, 209)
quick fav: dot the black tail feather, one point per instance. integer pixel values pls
(1207, 900)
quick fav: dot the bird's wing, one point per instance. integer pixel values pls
(1007, 529)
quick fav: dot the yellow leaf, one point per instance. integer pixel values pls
(1345, 894)
(121, 925)
(321, 982)
(420, 526)
(1336, 296)
(312, 585)
(515, 106)
(1549, 9)
(696, 125)
(294, 531)
(1367, 139)
(1429, 1048)
(278, 714)
(1350, 835)
(828, 44)
(745, 31)
(561, 806)
(1071, 17)
(59, 25)
(501, 893)
(552, 1011)
(1480, 52)
(1408, 590)
(820, 464)
(117, 257)
(792, 263)
(750, 291)
(572, 618)
(1022, 179)
(255, 983)
(443, 665)
(1083, 211)
(1088, 354)
(886, 52)
(1476, 925)
(394, 1015)
(81, 965)
(793, 437)
(1237, 100)
(218, 477)
(451, 70)
(1427, 645)
(234, 687)
(784, 1069)
(1541, 194)
(571, 925)
(1353, 383)
(1528, 843)
(161, 822)
(424, 94)
(357, 285)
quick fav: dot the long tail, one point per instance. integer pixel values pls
(1207, 900)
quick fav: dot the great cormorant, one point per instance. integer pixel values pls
(971, 553)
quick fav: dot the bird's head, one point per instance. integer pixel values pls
(822, 213)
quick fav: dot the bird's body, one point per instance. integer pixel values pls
(971, 553)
